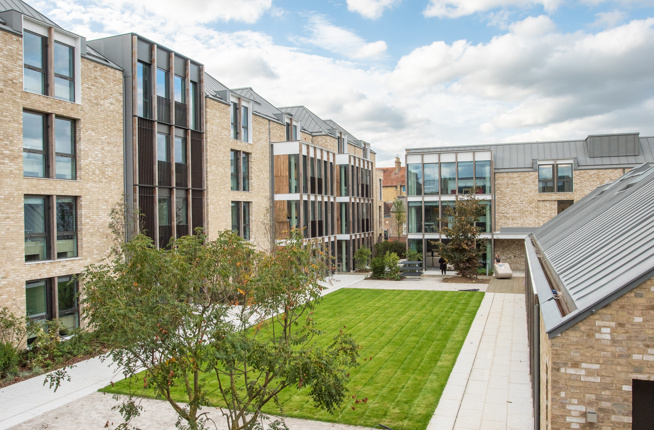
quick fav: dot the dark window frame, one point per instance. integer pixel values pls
(50, 145)
(70, 79)
(239, 170)
(556, 184)
(44, 62)
(241, 215)
(53, 298)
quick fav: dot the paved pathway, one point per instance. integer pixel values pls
(489, 387)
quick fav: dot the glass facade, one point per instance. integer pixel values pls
(448, 178)
(414, 217)
(415, 179)
(431, 179)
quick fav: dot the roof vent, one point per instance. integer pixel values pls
(613, 145)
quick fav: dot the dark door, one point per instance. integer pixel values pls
(642, 405)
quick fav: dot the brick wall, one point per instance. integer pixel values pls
(99, 154)
(519, 204)
(593, 363)
(219, 194)
(512, 251)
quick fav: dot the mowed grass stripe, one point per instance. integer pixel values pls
(414, 338)
(396, 323)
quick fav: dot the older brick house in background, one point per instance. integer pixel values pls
(590, 305)
(393, 186)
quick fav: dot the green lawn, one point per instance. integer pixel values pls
(413, 338)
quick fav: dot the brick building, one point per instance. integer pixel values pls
(62, 163)
(590, 289)
(88, 125)
(393, 186)
(523, 185)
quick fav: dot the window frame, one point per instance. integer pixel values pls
(70, 79)
(239, 170)
(44, 63)
(63, 233)
(53, 303)
(241, 215)
(73, 154)
(45, 130)
(48, 121)
(555, 180)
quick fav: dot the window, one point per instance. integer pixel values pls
(448, 178)
(144, 90)
(163, 91)
(547, 174)
(34, 53)
(431, 217)
(40, 295)
(466, 178)
(291, 131)
(415, 217)
(38, 236)
(181, 170)
(431, 179)
(240, 121)
(181, 109)
(181, 213)
(195, 121)
(64, 72)
(37, 244)
(36, 147)
(66, 227)
(415, 179)
(293, 173)
(165, 217)
(164, 166)
(180, 89)
(241, 219)
(642, 396)
(483, 177)
(240, 170)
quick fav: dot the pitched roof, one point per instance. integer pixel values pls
(25, 9)
(261, 106)
(309, 120)
(596, 151)
(393, 178)
(597, 250)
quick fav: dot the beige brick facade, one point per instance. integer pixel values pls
(511, 251)
(591, 365)
(99, 160)
(519, 204)
(219, 194)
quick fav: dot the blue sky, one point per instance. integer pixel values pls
(414, 73)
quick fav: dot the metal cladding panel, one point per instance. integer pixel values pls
(27, 10)
(604, 242)
(212, 86)
(308, 120)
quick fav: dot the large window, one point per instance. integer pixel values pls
(34, 57)
(448, 178)
(36, 147)
(181, 108)
(293, 173)
(165, 217)
(181, 213)
(64, 71)
(483, 177)
(181, 168)
(240, 170)
(38, 213)
(240, 121)
(414, 217)
(431, 217)
(555, 178)
(466, 179)
(42, 295)
(431, 179)
(164, 167)
(415, 179)
(241, 219)
(245, 123)
(484, 222)
(194, 106)
(144, 90)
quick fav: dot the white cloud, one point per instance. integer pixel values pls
(371, 9)
(341, 41)
(459, 8)
(533, 82)
(609, 19)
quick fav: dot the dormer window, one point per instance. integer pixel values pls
(241, 120)
(555, 177)
(292, 128)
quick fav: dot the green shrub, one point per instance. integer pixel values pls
(8, 360)
(361, 258)
(378, 268)
(391, 263)
(396, 246)
(412, 255)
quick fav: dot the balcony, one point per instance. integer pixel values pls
(181, 111)
(163, 109)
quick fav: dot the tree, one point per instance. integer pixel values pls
(399, 214)
(362, 258)
(218, 307)
(463, 250)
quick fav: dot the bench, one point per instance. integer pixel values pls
(411, 268)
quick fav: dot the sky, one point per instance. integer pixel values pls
(413, 73)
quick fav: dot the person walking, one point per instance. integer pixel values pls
(443, 264)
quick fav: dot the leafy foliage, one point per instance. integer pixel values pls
(186, 311)
(463, 250)
(378, 268)
(412, 255)
(396, 246)
(386, 267)
(12, 333)
(399, 215)
(362, 258)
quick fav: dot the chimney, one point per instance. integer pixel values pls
(398, 163)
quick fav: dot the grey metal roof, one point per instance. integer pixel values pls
(309, 120)
(351, 139)
(521, 156)
(25, 9)
(94, 55)
(261, 106)
(213, 88)
(602, 246)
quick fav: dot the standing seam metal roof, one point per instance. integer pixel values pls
(308, 120)
(603, 243)
(25, 9)
(261, 106)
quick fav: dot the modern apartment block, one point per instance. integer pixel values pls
(88, 125)
(62, 163)
(522, 185)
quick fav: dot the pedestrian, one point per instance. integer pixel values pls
(497, 260)
(443, 264)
